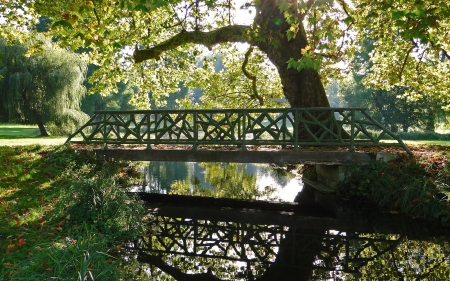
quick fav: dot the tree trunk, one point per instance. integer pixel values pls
(42, 129)
(301, 88)
(306, 248)
(430, 125)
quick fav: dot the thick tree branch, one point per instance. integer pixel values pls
(173, 271)
(445, 53)
(232, 33)
(251, 77)
(404, 63)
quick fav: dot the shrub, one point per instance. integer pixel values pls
(403, 186)
(103, 204)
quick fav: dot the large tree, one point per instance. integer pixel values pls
(299, 40)
(43, 88)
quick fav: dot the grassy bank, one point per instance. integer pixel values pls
(62, 215)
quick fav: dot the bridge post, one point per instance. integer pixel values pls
(322, 181)
(195, 128)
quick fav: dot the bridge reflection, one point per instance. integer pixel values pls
(210, 243)
(259, 245)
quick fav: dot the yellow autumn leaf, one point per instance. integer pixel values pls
(305, 50)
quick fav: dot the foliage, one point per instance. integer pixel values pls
(42, 88)
(391, 108)
(411, 48)
(119, 100)
(109, 30)
(412, 259)
(225, 180)
(423, 136)
(394, 107)
(411, 45)
(391, 186)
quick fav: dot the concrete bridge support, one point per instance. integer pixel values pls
(322, 180)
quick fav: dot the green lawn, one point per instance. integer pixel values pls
(427, 142)
(20, 135)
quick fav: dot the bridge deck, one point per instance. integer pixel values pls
(238, 156)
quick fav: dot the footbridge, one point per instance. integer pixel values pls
(271, 135)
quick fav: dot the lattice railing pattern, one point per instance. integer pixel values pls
(260, 244)
(298, 127)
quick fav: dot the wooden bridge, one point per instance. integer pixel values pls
(274, 135)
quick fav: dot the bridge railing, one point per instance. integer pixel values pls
(297, 127)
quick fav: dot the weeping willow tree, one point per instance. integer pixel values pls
(43, 88)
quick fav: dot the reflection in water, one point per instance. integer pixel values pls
(230, 180)
(197, 249)
(212, 245)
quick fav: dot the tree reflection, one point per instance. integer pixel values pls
(185, 247)
(192, 249)
(226, 180)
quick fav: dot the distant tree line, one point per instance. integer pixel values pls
(394, 108)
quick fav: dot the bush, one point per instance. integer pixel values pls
(104, 205)
(402, 186)
(424, 136)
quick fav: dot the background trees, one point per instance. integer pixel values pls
(43, 88)
(396, 107)
(270, 49)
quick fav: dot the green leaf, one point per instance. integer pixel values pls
(290, 34)
(349, 20)
(62, 23)
(291, 63)
(141, 7)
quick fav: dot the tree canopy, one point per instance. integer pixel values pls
(158, 43)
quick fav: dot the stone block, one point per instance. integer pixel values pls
(335, 173)
(386, 157)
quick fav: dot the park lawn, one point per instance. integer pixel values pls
(12, 134)
(427, 142)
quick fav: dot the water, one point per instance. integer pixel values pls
(234, 180)
(192, 242)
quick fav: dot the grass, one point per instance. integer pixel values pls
(52, 223)
(12, 134)
(427, 142)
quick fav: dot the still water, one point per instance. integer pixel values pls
(234, 180)
(191, 242)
